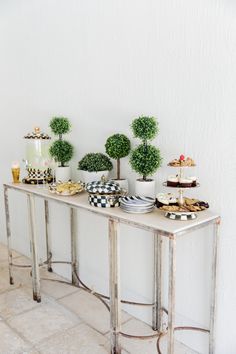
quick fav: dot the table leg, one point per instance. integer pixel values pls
(171, 293)
(33, 248)
(157, 288)
(213, 287)
(48, 236)
(74, 264)
(114, 258)
(8, 228)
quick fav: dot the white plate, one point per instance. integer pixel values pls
(137, 212)
(137, 201)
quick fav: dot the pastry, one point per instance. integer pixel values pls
(190, 205)
(194, 181)
(172, 181)
(166, 199)
(66, 188)
(190, 201)
(185, 182)
(182, 162)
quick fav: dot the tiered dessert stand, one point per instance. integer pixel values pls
(181, 215)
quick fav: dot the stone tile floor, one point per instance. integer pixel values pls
(67, 321)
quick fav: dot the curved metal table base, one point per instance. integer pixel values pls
(155, 223)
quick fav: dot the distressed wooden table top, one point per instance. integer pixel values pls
(154, 221)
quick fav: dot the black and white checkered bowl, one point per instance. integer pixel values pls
(104, 201)
(103, 188)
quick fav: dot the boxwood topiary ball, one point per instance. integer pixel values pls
(117, 146)
(145, 128)
(60, 125)
(95, 162)
(61, 151)
(145, 159)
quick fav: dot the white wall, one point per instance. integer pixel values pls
(102, 63)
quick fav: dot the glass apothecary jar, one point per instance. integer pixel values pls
(37, 158)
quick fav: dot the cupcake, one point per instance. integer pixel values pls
(194, 181)
(172, 181)
(185, 182)
(166, 199)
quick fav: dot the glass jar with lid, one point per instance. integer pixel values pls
(37, 158)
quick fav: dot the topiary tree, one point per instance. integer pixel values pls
(61, 150)
(95, 162)
(60, 126)
(118, 146)
(145, 159)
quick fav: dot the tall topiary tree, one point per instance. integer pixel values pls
(145, 159)
(118, 146)
(61, 150)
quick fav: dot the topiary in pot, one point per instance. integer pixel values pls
(61, 150)
(93, 166)
(118, 146)
(145, 159)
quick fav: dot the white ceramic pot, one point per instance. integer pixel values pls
(93, 176)
(124, 184)
(63, 174)
(145, 188)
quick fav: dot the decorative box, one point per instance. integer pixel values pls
(104, 194)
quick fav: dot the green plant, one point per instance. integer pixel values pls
(145, 128)
(118, 146)
(145, 159)
(60, 125)
(95, 162)
(61, 150)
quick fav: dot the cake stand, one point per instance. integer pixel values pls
(181, 215)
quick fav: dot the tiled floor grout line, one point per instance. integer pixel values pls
(50, 300)
(35, 345)
(18, 334)
(58, 333)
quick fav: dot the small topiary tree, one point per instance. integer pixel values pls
(145, 159)
(95, 162)
(118, 146)
(61, 150)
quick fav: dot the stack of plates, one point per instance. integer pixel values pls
(137, 204)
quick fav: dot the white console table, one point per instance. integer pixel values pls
(154, 222)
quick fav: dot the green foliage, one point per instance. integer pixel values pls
(61, 151)
(117, 146)
(145, 160)
(60, 125)
(145, 128)
(94, 162)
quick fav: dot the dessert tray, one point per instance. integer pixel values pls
(66, 188)
(182, 162)
(137, 204)
(167, 202)
(181, 207)
(165, 184)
